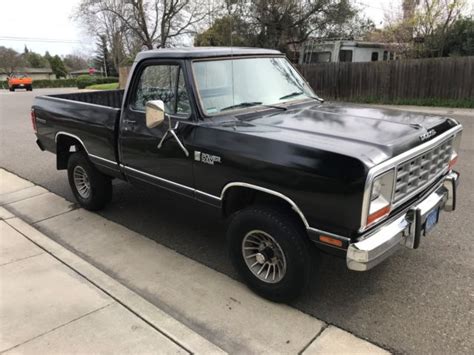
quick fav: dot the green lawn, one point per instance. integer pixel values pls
(111, 86)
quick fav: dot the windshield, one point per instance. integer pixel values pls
(229, 84)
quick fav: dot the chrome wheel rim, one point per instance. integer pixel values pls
(81, 181)
(264, 256)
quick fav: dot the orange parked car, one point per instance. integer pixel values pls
(20, 81)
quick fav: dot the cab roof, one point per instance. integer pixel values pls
(204, 52)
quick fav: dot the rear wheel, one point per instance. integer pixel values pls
(29, 88)
(92, 189)
(12, 89)
(271, 252)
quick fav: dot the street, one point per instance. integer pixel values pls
(418, 301)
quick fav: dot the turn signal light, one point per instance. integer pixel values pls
(33, 120)
(378, 214)
(329, 240)
(453, 161)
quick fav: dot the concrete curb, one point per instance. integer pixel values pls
(156, 318)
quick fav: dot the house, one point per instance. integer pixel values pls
(89, 71)
(321, 51)
(34, 73)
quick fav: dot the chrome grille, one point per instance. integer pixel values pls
(421, 170)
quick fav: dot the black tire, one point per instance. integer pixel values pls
(100, 185)
(12, 89)
(290, 237)
(29, 88)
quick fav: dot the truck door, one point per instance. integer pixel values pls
(142, 160)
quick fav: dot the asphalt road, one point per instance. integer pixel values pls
(416, 302)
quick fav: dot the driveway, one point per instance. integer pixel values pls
(417, 302)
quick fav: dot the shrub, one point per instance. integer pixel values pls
(81, 82)
(59, 83)
(87, 80)
(44, 83)
(84, 80)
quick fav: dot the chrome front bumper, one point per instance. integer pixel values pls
(404, 230)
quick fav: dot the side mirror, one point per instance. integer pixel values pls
(155, 113)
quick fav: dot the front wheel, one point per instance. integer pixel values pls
(92, 189)
(270, 251)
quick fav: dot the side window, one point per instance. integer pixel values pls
(345, 55)
(162, 82)
(375, 56)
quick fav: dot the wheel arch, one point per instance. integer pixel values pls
(67, 144)
(238, 195)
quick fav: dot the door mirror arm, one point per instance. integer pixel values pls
(172, 132)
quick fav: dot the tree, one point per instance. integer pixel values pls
(102, 60)
(10, 61)
(459, 40)
(57, 66)
(279, 24)
(421, 29)
(226, 31)
(153, 23)
(75, 62)
(35, 60)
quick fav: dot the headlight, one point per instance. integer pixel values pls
(381, 197)
(456, 146)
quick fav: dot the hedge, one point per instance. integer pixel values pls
(88, 80)
(81, 82)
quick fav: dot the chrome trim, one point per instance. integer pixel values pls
(159, 178)
(246, 185)
(207, 195)
(404, 230)
(70, 135)
(393, 163)
(450, 183)
(83, 145)
(268, 191)
(103, 159)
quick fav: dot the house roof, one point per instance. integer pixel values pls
(85, 71)
(204, 52)
(34, 70)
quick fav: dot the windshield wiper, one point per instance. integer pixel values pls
(297, 93)
(254, 103)
(242, 104)
(293, 94)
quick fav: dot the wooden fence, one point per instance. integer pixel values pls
(440, 78)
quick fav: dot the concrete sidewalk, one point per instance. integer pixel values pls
(47, 308)
(74, 282)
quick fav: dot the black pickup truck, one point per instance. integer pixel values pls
(241, 130)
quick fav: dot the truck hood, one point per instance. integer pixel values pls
(370, 134)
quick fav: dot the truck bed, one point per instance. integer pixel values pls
(110, 98)
(90, 117)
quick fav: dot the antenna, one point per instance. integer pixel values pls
(232, 51)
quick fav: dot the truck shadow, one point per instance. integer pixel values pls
(198, 231)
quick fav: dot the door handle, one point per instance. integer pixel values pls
(128, 124)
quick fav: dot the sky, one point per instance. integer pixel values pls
(42, 25)
(47, 25)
